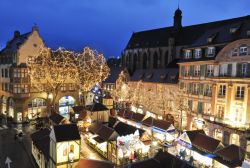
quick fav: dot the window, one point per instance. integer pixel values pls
(186, 71)
(238, 115)
(208, 90)
(223, 70)
(6, 73)
(188, 54)
(197, 70)
(218, 134)
(222, 91)
(211, 51)
(65, 150)
(220, 111)
(244, 69)
(2, 72)
(71, 148)
(18, 88)
(207, 108)
(71, 87)
(235, 52)
(63, 87)
(197, 53)
(210, 70)
(243, 50)
(240, 92)
(196, 89)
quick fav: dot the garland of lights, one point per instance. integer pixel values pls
(50, 70)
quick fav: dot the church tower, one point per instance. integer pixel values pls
(178, 19)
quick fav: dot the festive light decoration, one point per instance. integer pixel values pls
(121, 91)
(50, 70)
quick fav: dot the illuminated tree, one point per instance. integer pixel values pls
(50, 70)
(121, 91)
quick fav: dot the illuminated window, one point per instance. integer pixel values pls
(223, 70)
(211, 51)
(208, 90)
(218, 134)
(188, 54)
(243, 69)
(65, 150)
(63, 87)
(197, 70)
(235, 139)
(196, 88)
(220, 111)
(243, 50)
(238, 115)
(240, 92)
(222, 90)
(197, 53)
(72, 148)
(187, 71)
(210, 70)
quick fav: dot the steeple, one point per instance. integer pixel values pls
(178, 19)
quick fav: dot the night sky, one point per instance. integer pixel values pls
(106, 25)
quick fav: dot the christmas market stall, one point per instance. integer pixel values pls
(198, 147)
(131, 118)
(98, 112)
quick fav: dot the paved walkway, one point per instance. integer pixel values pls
(87, 152)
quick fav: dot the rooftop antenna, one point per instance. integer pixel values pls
(178, 4)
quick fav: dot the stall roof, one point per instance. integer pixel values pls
(121, 113)
(148, 121)
(56, 118)
(128, 114)
(82, 115)
(78, 109)
(149, 163)
(83, 163)
(168, 160)
(231, 155)
(206, 143)
(124, 129)
(137, 117)
(67, 132)
(107, 133)
(162, 124)
(193, 133)
(95, 127)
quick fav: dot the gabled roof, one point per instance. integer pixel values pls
(96, 107)
(193, 133)
(137, 117)
(112, 121)
(148, 121)
(107, 134)
(124, 129)
(78, 109)
(67, 132)
(85, 163)
(232, 155)
(41, 140)
(162, 124)
(206, 143)
(114, 75)
(56, 118)
(95, 127)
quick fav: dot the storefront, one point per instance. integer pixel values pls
(36, 107)
(65, 106)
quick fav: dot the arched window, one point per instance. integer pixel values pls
(71, 148)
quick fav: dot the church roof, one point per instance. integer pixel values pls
(194, 35)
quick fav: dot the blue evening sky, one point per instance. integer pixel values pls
(106, 25)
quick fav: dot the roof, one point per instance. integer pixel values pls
(124, 129)
(148, 163)
(107, 134)
(94, 127)
(82, 115)
(96, 107)
(112, 121)
(78, 109)
(189, 35)
(161, 124)
(114, 75)
(41, 140)
(67, 132)
(168, 160)
(167, 75)
(83, 163)
(205, 143)
(193, 133)
(148, 121)
(232, 154)
(56, 118)
(137, 117)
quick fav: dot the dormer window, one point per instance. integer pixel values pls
(197, 53)
(233, 30)
(235, 52)
(243, 50)
(188, 54)
(211, 51)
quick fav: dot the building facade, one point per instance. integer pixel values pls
(18, 99)
(215, 81)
